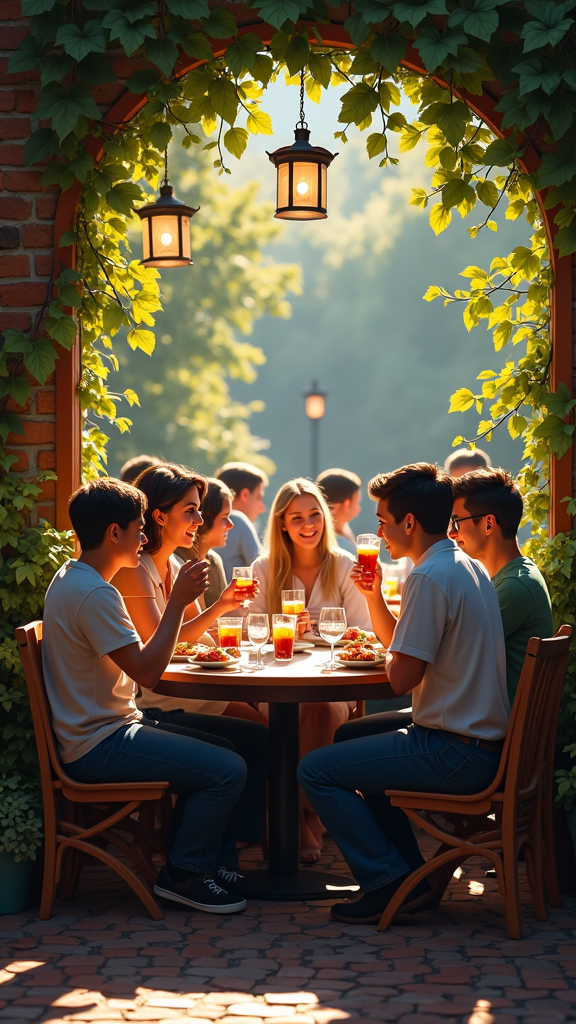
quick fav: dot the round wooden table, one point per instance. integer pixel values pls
(284, 686)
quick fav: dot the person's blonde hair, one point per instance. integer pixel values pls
(279, 549)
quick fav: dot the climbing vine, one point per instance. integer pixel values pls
(526, 47)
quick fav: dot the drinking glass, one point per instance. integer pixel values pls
(332, 626)
(229, 633)
(283, 633)
(258, 633)
(244, 585)
(293, 601)
(367, 552)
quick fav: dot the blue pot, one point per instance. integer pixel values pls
(15, 883)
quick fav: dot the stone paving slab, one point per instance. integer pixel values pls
(100, 959)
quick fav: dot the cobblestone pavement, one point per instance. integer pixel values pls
(101, 959)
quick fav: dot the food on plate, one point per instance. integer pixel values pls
(234, 652)
(211, 654)
(357, 652)
(186, 649)
(356, 635)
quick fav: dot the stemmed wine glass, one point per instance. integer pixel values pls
(332, 626)
(258, 633)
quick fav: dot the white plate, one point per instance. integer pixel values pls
(303, 645)
(214, 664)
(181, 657)
(360, 664)
(318, 641)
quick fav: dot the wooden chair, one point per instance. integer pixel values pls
(511, 814)
(78, 818)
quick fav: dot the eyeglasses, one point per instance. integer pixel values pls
(456, 520)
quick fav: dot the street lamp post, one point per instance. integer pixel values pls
(315, 409)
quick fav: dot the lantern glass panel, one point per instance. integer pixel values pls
(145, 238)
(165, 240)
(283, 198)
(323, 186)
(305, 185)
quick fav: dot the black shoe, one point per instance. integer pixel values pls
(198, 892)
(368, 909)
(232, 880)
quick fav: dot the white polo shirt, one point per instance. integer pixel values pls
(450, 618)
(90, 697)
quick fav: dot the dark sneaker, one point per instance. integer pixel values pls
(370, 906)
(232, 881)
(198, 892)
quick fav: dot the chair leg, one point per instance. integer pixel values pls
(549, 854)
(71, 874)
(49, 876)
(533, 860)
(144, 895)
(510, 887)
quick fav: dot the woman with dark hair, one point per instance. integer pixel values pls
(171, 521)
(213, 533)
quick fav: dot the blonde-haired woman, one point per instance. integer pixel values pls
(301, 553)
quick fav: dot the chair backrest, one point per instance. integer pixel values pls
(535, 714)
(29, 640)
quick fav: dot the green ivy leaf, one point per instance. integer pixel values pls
(65, 108)
(565, 241)
(123, 196)
(41, 145)
(54, 67)
(196, 45)
(439, 218)
(434, 46)
(16, 341)
(259, 122)
(389, 50)
(223, 98)
(63, 329)
(320, 68)
(143, 81)
(81, 165)
(297, 53)
(163, 53)
(32, 7)
(452, 120)
(96, 70)
(192, 10)
(79, 42)
(129, 35)
(560, 402)
(376, 144)
(276, 12)
(550, 27)
(487, 193)
(457, 191)
(416, 11)
(139, 338)
(555, 169)
(461, 400)
(537, 74)
(236, 140)
(357, 29)
(557, 433)
(221, 24)
(241, 55)
(26, 57)
(17, 388)
(476, 17)
(262, 68)
(41, 360)
(501, 153)
(160, 135)
(358, 103)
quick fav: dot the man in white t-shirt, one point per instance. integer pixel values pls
(91, 653)
(447, 649)
(247, 484)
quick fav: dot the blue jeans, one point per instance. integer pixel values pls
(208, 779)
(375, 838)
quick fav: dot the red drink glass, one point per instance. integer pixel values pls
(367, 552)
(283, 633)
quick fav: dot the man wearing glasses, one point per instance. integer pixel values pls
(485, 519)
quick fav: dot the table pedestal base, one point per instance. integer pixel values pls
(307, 884)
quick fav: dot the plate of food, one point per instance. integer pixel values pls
(352, 635)
(184, 650)
(360, 656)
(215, 658)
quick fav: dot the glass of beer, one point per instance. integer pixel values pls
(367, 552)
(293, 601)
(283, 633)
(258, 633)
(229, 633)
(243, 584)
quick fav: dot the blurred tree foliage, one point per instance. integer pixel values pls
(209, 309)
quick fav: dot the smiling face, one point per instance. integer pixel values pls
(217, 535)
(395, 535)
(303, 521)
(473, 534)
(180, 523)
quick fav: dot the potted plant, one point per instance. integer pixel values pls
(21, 833)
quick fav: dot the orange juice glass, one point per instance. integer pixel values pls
(367, 551)
(229, 633)
(293, 601)
(283, 633)
(243, 583)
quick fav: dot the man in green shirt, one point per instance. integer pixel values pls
(485, 519)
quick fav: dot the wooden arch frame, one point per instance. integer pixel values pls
(68, 418)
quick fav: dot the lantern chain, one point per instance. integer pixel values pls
(166, 166)
(302, 123)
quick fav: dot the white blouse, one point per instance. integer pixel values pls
(345, 595)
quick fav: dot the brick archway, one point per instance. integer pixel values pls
(60, 432)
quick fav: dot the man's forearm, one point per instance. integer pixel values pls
(383, 622)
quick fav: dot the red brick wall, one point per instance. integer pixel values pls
(26, 250)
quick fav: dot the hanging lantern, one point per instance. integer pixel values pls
(301, 174)
(166, 229)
